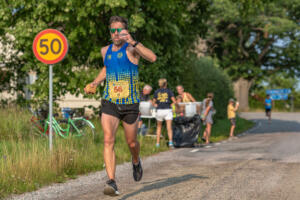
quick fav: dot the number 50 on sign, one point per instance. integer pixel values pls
(50, 46)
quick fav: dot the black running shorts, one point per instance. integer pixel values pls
(125, 112)
(268, 110)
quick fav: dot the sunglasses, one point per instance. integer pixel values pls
(113, 30)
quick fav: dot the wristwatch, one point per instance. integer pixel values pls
(136, 43)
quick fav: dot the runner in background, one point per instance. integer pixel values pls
(120, 101)
(268, 107)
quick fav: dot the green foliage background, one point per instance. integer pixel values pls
(251, 38)
(205, 76)
(255, 38)
(167, 27)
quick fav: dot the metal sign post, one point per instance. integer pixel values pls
(292, 103)
(50, 46)
(50, 104)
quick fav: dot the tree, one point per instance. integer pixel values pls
(159, 25)
(204, 76)
(255, 38)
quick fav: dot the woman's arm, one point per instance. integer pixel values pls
(154, 102)
(173, 100)
(236, 106)
(191, 97)
(207, 110)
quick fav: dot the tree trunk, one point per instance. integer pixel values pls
(241, 91)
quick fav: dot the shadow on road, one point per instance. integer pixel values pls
(164, 183)
(276, 126)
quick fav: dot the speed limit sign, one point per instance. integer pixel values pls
(50, 46)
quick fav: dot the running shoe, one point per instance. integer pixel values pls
(171, 145)
(111, 188)
(137, 171)
(157, 145)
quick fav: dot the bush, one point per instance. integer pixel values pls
(203, 76)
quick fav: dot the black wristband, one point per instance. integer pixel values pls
(135, 44)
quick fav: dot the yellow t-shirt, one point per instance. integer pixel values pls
(230, 111)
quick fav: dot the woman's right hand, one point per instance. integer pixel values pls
(203, 117)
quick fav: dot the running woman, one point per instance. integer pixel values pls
(120, 101)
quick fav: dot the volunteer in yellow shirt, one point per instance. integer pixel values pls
(231, 113)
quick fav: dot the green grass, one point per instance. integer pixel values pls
(26, 163)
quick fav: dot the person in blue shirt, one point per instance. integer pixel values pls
(268, 106)
(121, 96)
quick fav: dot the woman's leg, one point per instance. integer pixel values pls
(205, 132)
(158, 131)
(232, 130)
(208, 131)
(169, 129)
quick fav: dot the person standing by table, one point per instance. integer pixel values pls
(163, 98)
(186, 97)
(145, 96)
(207, 116)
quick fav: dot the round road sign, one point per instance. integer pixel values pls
(50, 46)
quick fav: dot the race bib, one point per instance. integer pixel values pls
(118, 89)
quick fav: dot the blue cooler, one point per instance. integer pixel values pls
(66, 112)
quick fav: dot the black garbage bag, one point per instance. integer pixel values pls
(186, 131)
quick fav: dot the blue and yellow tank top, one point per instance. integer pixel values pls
(122, 77)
